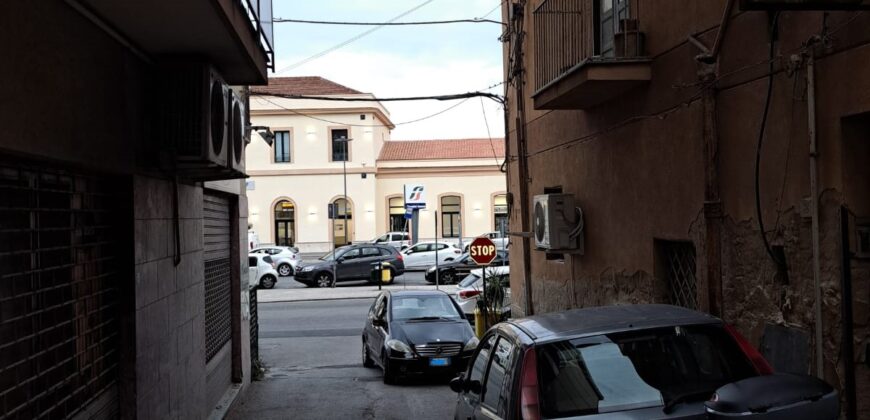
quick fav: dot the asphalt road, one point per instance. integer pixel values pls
(410, 278)
(312, 351)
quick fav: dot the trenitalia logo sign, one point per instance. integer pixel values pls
(414, 196)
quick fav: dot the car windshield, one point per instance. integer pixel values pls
(469, 280)
(331, 255)
(424, 308)
(638, 369)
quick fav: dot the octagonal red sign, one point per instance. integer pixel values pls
(482, 251)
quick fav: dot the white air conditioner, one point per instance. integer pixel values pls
(238, 133)
(558, 223)
(192, 112)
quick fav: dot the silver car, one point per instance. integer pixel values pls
(286, 258)
(470, 289)
(398, 240)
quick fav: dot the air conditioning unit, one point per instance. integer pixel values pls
(558, 223)
(192, 113)
(238, 133)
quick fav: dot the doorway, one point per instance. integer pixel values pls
(285, 223)
(342, 222)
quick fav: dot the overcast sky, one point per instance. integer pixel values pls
(402, 60)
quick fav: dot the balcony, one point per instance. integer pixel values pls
(586, 53)
(234, 35)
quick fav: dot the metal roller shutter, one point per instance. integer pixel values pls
(62, 257)
(216, 244)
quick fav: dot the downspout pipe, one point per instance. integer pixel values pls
(814, 212)
(846, 313)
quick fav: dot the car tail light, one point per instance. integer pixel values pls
(529, 407)
(757, 360)
(401, 257)
(468, 294)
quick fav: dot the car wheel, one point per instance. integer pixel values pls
(268, 281)
(366, 359)
(389, 373)
(448, 277)
(324, 279)
(285, 270)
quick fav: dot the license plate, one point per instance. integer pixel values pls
(439, 361)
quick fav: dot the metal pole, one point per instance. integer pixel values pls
(814, 210)
(437, 272)
(848, 337)
(485, 309)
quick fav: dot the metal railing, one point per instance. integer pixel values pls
(260, 15)
(563, 38)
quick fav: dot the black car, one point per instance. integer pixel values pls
(456, 270)
(630, 362)
(351, 262)
(416, 332)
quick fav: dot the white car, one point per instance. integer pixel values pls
(286, 259)
(261, 272)
(398, 240)
(422, 255)
(469, 290)
(500, 241)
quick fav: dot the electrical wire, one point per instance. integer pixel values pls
(354, 38)
(488, 134)
(302, 114)
(448, 97)
(428, 22)
(758, 148)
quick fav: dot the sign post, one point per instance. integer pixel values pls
(482, 251)
(415, 199)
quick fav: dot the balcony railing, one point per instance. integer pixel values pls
(260, 15)
(563, 37)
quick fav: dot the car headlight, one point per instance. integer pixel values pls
(471, 344)
(309, 268)
(400, 347)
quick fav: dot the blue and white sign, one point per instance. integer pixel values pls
(415, 197)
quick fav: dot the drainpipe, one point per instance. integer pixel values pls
(814, 209)
(846, 312)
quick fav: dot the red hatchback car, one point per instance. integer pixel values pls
(630, 362)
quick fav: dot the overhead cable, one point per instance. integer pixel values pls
(428, 22)
(302, 114)
(497, 98)
(355, 38)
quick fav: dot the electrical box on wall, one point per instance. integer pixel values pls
(558, 223)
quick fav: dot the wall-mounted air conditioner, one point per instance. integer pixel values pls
(238, 133)
(192, 113)
(558, 223)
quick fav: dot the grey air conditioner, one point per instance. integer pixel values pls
(192, 113)
(558, 224)
(238, 133)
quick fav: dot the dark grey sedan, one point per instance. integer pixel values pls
(630, 362)
(350, 263)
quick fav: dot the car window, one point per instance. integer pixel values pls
(478, 366)
(424, 307)
(469, 280)
(370, 252)
(500, 364)
(420, 248)
(397, 237)
(638, 369)
(350, 254)
(252, 261)
(385, 252)
(377, 305)
(267, 259)
(441, 246)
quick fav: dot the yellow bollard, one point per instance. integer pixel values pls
(386, 275)
(479, 323)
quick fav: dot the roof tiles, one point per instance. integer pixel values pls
(308, 85)
(442, 149)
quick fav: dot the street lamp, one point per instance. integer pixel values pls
(346, 155)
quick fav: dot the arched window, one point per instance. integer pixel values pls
(397, 214)
(342, 221)
(285, 223)
(451, 208)
(500, 214)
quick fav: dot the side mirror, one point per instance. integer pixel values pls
(378, 322)
(775, 396)
(457, 384)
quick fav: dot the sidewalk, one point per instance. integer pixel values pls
(340, 292)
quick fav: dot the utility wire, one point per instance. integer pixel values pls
(355, 38)
(488, 134)
(302, 114)
(379, 24)
(500, 4)
(450, 97)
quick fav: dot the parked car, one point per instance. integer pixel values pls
(399, 240)
(469, 291)
(456, 270)
(416, 332)
(497, 238)
(261, 271)
(286, 258)
(422, 254)
(351, 262)
(630, 362)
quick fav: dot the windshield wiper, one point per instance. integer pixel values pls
(428, 318)
(681, 398)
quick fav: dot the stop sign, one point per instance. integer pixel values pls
(482, 251)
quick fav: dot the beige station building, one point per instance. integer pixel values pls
(297, 185)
